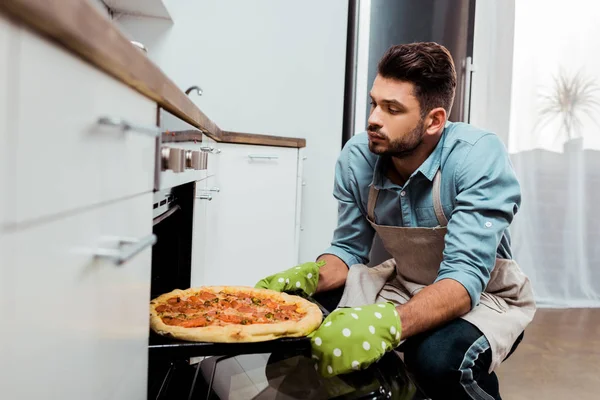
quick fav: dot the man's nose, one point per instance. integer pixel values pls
(375, 118)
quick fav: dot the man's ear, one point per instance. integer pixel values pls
(435, 121)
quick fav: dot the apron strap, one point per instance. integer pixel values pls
(437, 200)
(372, 202)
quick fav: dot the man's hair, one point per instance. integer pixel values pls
(428, 66)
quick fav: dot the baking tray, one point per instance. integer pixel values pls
(161, 347)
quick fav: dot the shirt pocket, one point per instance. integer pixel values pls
(426, 216)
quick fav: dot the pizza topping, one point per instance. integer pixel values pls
(161, 308)
(194, 323)
(206, 296)
(292, 307)
(246, 309)
(207, 308)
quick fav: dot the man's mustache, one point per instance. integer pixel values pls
(376, 130)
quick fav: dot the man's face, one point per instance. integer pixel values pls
(395, 124)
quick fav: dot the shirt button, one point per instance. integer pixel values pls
(488, 224)
(403, 193)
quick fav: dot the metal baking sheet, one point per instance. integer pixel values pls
(163, 347)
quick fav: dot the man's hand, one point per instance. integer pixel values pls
(301, 278)
(333, 275)
(354, 338)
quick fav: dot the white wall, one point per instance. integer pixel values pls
(493, 59)
(266, 66)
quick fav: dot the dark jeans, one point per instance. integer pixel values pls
(452, 362)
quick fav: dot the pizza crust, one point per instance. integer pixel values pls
(237, 333)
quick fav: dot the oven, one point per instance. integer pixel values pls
(280, 369)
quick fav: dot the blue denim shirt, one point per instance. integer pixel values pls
(480, 197)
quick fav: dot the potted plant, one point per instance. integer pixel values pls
(569, 99)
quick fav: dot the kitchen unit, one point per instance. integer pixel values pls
(80, 164)
(251, 189)
(88, 176)
(117, 188)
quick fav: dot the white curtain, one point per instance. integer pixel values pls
(554, 141)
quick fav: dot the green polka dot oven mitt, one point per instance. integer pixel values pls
(302, 278)
(354, 338)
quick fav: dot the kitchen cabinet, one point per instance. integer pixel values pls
(8, 33)
(252, 221)
(8, 38)
(80, 326)
(65, 156)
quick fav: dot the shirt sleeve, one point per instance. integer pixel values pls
(488, 197)
(353, 237)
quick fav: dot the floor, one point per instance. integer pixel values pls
(559, 358)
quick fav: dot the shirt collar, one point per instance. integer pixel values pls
(433, 162)
(380, 181)
(427, 169)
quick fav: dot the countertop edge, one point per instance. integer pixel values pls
(237, 138)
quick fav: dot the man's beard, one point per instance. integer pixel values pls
(402, 147)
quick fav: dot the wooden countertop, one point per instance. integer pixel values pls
(80, 28)
(236, 137)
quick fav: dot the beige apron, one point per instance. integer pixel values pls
(506, 306)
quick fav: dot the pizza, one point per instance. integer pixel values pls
(232, 314)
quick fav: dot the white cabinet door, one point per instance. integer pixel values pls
(251, 220)
(7, 301)
(65, 158)
(8, 69)
(80, 322)
(8, 37)
(199, 235)
(215, 150)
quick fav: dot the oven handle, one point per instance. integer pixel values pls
(125, 253)
(127, 126)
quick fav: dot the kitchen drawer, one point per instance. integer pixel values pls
(64, 158)
(80, 325)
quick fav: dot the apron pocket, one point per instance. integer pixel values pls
(494, 302)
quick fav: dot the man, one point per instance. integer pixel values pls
(441, 197)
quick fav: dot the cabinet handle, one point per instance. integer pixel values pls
(128, 248)
(214, 189)
(127, 126)
(469, 69)
(263, 156)
(205, 197)
(139, 46)
(210, 149)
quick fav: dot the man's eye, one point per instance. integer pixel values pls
(372, 103)
(394, 111)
